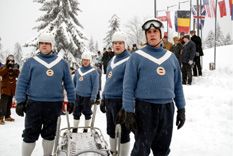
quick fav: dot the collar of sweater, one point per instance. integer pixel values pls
(50, 55)
(153, 49)
(122, 55)
(83, 68)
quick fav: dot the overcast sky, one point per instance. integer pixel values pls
(17, 17)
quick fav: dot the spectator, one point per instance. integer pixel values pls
(177, 49)
(197, 69)
(9, 74)
(188, 54)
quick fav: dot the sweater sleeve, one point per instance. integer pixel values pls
(95, 81)
(68, 84)
(179, 94)
(129, 84)
(23, 82)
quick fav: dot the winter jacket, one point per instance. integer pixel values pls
(114, 77)
(188, 52)
(86, 82)
(156, 82)
(35, 83)
(8, 82)
(197, 40)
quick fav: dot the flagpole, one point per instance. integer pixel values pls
(215, 35)
(198, 15)
(155, 11)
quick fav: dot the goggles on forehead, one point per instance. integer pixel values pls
(150, 23)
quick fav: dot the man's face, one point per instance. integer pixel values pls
(153, 37)
(45, 47)
(85, 62)
(118, 47)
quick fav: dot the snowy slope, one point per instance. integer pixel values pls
(208, 130)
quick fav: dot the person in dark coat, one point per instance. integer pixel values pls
(9, 74)
(177, 48)
(197, 69)
(188, 54)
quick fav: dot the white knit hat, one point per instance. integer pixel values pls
(46, 37)
(118, 36)
(87, 56)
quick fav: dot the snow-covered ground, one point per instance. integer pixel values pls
(208, 130)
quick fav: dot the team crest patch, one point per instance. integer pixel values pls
(161, 71)
(50, 72)
(109, 74)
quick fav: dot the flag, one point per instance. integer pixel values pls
(201, 15)
(183, 21)
(213, 7)
(162, 18)
(207, 7)
(222, 8)
(231, 10)
(169, 22)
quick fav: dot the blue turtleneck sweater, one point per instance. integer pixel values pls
(88, 84)
(34, 82)
(143, 82)
(114, 77)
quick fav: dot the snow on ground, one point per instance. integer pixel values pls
(208, 130)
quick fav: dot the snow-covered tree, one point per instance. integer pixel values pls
(91, 46)
(18, 53)
(134, 31)
(96, 46)
(219, 36)
(209, 42)
(228, 40)
(1, 53)
(114, 24)
(61, 19)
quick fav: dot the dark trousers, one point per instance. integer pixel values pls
(5, 105)
(113, 106)
(41, 118)
(82, 106)
(197, 70)
(187, 73)
(155, 124)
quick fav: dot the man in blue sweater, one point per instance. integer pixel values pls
(111, 101)
(86, 82)
(152, 84)
(39, 94)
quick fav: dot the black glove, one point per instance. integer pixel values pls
(103, 106)
(120, 118)
(180, 118)
(21, 108)
(130, 121)
(70, 107)
(92, 102)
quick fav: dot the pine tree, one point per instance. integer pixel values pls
(1, 53)
(228, 40)
(114, 24)
(18, 53)
(91, 47)
(134, 31)
(209, 42)
(219, 36)
(61, 19)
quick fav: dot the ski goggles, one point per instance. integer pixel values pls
(152, 23)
